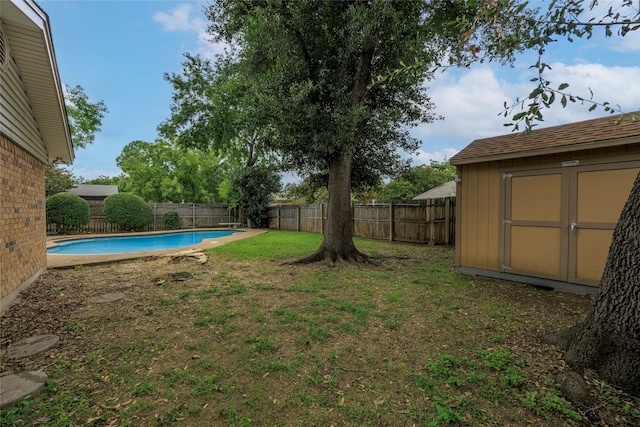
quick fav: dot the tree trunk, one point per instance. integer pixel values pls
(608, 340)
(337, 245)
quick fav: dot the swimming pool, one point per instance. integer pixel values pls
(126, 244)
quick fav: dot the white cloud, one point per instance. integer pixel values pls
(471, 101)
(629, 43)
(614, 84)
(189, 19)
(470, 104)
(180, 19)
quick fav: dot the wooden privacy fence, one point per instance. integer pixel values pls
(426, 221)
(191, 215)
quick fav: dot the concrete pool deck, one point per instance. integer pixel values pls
(64, 261)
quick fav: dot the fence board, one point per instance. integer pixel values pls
(427, 221)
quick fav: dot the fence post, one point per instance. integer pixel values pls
(155, 214)
(278, 218)
(193, 215)
(432, 223)
(391, 221)
(447, 220)
(321, 218)
(298, 218)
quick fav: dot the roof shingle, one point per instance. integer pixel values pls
(595, 133)
(448, 189)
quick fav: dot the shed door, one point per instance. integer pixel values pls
(558, 223)
(535, 241)
(599, 198)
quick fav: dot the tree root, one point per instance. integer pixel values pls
(562, 339)
(333, 258)
(574, 388)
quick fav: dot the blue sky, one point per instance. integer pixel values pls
(118, 52)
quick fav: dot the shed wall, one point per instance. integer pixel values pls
(478, 201)
(479, 234)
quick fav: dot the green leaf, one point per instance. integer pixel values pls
(563, 86)
(537, 91)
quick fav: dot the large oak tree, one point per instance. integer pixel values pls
(312, 64)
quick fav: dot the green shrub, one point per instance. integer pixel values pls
(67, 211)
(127, 211)
(171, 220)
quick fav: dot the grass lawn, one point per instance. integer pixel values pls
(249, 340)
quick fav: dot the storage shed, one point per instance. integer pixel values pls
(541, 208)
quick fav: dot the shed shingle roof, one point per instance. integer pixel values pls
(448, 189)
(595, 133)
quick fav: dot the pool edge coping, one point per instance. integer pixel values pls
(72, 260)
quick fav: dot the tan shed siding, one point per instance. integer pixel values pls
(493, 219)
(17, 120)
(488, 204)
(22, 219)
(470, 231)
(483, 214)
(479, 231)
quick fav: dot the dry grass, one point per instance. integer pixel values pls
(245, 340)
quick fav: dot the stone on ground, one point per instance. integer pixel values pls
(15, 387)
(107, 298)
(32, 345)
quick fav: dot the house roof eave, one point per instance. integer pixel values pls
(29, 33)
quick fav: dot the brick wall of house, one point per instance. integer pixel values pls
(22, 220)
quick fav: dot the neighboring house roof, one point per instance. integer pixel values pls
(597, 133)
(30, 45)
(448, 189)
(90, 190)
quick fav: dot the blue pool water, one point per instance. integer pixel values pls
(123, 244)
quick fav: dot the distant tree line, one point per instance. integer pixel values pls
(407, 184)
